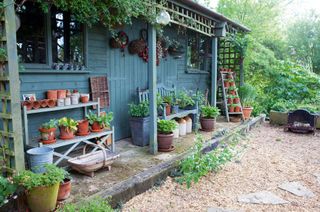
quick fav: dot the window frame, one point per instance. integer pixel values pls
(47, 67)
(208, 55)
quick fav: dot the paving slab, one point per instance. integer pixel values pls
(221, 210)
(262, 197)
(297, 189)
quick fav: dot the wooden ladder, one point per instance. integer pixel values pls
(223, 92)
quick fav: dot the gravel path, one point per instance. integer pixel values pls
(270, 158)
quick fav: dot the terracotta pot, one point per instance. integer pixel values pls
(232, 83)
(168, 109)
(229, 76)
(247, 112)
(231, 109)
(48, 135)
(43, 103)
(52, 94)
(165, 142)
(226, 84)
(236, 100)
(83, 127)
(65, 134)
(84, 99)
(36, 105)
(64, 190)
(237, 109)
(95, 127)
(207, 124)
(28, 104)
(230, 101)
(51, 102)
(61, 94)
(232, 92)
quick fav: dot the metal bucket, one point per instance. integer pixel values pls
(38, 157)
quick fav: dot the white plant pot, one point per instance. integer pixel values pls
(182, 129)
(176, 133)
(67, 101)
(60, 102)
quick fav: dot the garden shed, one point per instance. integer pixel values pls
(57, 52)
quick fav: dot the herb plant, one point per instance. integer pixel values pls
(185, 100)
(7, 188)
(50, 124)
(69, 123)
(139, 110)
(166, 126)
(210, 112)
(104, 120)
(30, 180)
(168, 99)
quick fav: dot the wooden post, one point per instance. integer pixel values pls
(14, 84)
(152, 72)
(214, 71)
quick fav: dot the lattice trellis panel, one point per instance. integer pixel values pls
(11, 142)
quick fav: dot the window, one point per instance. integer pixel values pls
(198, 52)
(57, 30)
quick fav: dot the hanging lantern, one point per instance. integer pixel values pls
(163, 18)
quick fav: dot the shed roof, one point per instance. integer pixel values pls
(215, 15)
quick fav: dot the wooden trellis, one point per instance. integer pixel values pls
(11, 140)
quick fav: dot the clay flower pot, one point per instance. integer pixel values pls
(61, 94)
(226, 84)
(28, 104)
(168, 109)
(65, 133)
(84, 99)
(233, 92)
(83, 128)
(44, 103)
(231, 109)
(64, 190)
(52, 94)
(229, 101)
(207, 124)
(229, 76)
(232, 83)
(236, 100)
(36, 105)
(237, 109)
(247, 112)
(95, 127)
(48, 135)
(51, 102)
(165, 142)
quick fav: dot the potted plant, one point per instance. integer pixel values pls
(41, 188)
(231, 108)
(236, 100)
(67, 127)
(232, 82)
(7, 189)
(208, 117)
(226, 83)
(139, 123)
(168, 100)
(99, 122)
(230, 99)
(237, 108)
(232, 90)
(47, 132)
(64, 187)
(248, 94)
(165, 135)
(83, 127)
(185, 101)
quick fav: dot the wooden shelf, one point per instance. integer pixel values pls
(44, 110)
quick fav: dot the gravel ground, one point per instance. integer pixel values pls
(267, 159)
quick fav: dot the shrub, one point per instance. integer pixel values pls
(248, 94)
(139, 110)
(166, 126)
(210, 112)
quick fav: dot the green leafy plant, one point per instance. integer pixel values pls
(232, 88)
(95, 205)
(139, 110)
(3, 55)
(168, 99)
(210, 112)
(166, 126)
(184, 100)
(50, 124)
(7, 188)
(248, 94)
(199, 97)
(104, 120)
(159, 102)
(30, 180)
(69, 123)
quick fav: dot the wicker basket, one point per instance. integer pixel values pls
(137, 46)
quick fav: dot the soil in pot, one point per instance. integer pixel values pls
(247, 112)
(47, 135)
(66, 133)
(52, 94)
(43, 198)
(64, 190)
(83, 128)
(165, 142)
(95, 127)
(207, 124)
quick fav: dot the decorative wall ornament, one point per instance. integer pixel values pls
(120, 41)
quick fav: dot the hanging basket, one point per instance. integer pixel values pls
(119, 41)
(137, 46)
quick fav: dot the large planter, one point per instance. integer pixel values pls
(279, 118)
(48, 135)
(38, 157)
(165, 142)
(64, 189)
(207, 124)
(43, 199)
(66, 133)
(247, 112)
(140, 130)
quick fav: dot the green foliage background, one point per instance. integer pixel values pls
(280, 62)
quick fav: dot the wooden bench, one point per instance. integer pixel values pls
(143, 95)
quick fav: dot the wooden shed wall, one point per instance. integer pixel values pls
(125, 74)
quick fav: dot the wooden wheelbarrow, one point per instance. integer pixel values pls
(89, 163)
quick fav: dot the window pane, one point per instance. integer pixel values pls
(67, 38)
(31, 40)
